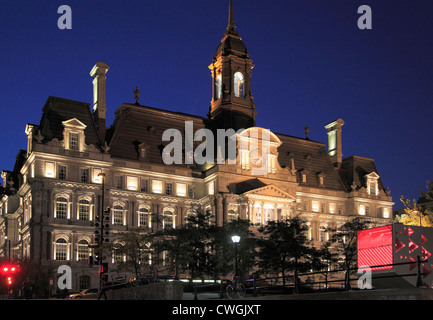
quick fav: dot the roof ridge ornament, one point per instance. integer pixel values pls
(137, 95)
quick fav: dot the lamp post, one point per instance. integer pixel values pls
(236, 239)
(9, 246)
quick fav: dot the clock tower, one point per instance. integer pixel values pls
(232, 104)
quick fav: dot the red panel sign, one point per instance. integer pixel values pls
(375, 248)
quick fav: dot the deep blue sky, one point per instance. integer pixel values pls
(313, 65)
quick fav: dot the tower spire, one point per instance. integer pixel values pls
(231, 28)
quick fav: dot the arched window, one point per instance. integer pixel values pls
(239, 85)
(323, 233)
(83, 250)
(218, 87)
(118, 253)
(118, 215)
(84, 210)
(61, 249)
(190, 215)
(61, 211)
(168, 220)
(144, 217)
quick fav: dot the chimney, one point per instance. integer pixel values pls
(334, 142)
(99, 108)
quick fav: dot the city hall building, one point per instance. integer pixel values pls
(75, 160)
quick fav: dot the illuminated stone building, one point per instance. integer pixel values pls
(51, 220)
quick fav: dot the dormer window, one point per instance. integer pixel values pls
(143, 152)
(372, 183)
(303, 176)
(239, 84)
(321, 179)
(73, 135)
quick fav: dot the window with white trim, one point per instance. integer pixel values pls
(83, 251)
(84, 210)
(118, 212)
(144, 217)
(61, 250)
(61, 208)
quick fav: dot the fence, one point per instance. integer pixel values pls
(339, 279)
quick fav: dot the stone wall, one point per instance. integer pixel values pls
(155, 291)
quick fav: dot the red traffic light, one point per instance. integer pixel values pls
(7, 269)
(9, 280)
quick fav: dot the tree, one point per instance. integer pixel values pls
(224, 249)
(416, 214)
(344, 238)
(189, 247)
(325, 259)
(285, 247)
(135, 246)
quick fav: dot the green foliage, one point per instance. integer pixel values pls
(284, 247)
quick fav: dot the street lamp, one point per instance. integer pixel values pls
(236, 239)
(9, 245)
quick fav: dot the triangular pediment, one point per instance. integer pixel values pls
(270, 191)
(372, 175)
(74, 123)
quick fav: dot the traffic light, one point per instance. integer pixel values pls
(106, 225)
(103, 269)
(9, 270)
(102, 226)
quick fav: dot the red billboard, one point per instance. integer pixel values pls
(375, 248)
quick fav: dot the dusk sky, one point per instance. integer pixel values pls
(312, 65)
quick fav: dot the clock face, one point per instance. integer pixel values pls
(256, 159)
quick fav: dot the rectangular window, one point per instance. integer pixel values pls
(132, 183)
(49, 169)
(211, 188)
(168, 189)
(119, 182)
(84, 175)
(181, 189)
(73, 141)
(157, 186)
(315, 205)
(62, 172)
(96, 178)
(145, 185)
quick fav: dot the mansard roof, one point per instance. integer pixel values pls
(354, 170)
(136, 124)
(312, 157)
(57, 110)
